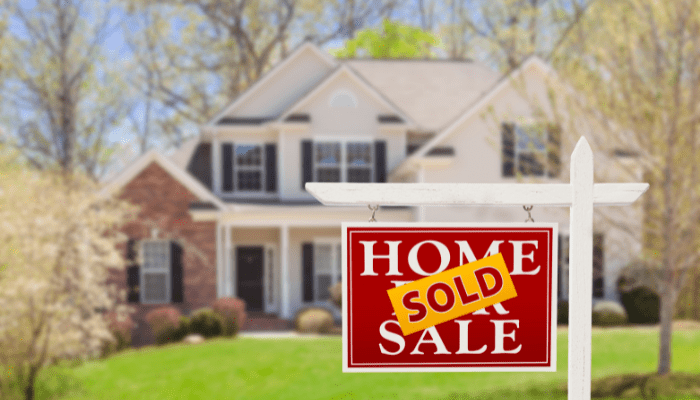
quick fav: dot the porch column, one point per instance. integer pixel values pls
(284, 266)
(219, 262)
(228, 264)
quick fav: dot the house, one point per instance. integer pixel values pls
(227, 213)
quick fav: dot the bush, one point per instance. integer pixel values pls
(642, 305)
(608, 313)
(231, 311)
(314, 320)
(205, 322)
(120, 327)
(337, 294)
(166, 324)
(563, 312)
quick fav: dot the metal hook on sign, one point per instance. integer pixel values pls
(529, 216)
(374, 210)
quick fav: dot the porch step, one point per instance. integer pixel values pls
(259, 321)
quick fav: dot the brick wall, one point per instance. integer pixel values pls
(164, 203)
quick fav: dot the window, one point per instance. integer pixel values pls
(598, 266)
(249, 168)
(531, 150)
(343, 161)
(327, 259)
(155, 272)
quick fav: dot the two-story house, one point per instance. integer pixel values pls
(228, 214)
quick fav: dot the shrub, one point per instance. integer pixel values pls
(120, 326)
(337, 294)
(314, 320)
(563, 312)
(608, 313)
(205, 322)
(231, 311)
(642, 305)
(165, 323)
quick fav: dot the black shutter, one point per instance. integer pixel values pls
(307, 171)
(553, 151)
(200, 164)
(508, 149)
(132, 272)
(227, 167)
(308, 271)
(380, 161)
(176, 273)
(271, 167)
(598, 268)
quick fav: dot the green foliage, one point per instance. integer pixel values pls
(563, 312)
(642, 305)
(647, 386)
(205, 322)
(393, 40)
(232, 313)
(608, 313)
(314, 320)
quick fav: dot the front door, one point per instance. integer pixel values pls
(249, 266)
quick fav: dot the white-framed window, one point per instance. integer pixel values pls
(343, 161)
(327, 266)
(155, 271)
(530, 149)
(249, 168)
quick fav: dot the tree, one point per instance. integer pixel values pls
(393, 40)
(60, 95)
(503, 33)
(634, 72)
(58, 245)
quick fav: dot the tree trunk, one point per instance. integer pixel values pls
(665, 331)
(31, 380)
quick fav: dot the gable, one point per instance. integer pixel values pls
(282, 86)
(146, 162)
(344, 102)
(432, 92)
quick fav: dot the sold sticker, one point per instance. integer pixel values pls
(450, 294)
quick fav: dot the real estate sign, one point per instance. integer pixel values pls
(437, 275)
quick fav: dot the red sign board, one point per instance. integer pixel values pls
(518, 334)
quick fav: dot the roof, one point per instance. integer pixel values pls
(431, 92)
(477, 104)
(182, 176)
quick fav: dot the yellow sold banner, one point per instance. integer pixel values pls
(451, 294)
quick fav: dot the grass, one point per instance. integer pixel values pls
(249, 368)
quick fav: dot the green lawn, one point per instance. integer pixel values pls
(308, 369)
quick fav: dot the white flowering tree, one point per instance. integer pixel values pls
(58, 243)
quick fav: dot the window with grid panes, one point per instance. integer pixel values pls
(155, 272)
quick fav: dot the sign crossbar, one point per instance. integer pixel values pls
(581, 194)
(470, 194)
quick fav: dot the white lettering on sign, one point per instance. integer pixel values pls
(413, 258)
(499, 342)
(465, 251)
(518, 257)
(393, 257)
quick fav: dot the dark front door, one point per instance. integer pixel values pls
(249, 264)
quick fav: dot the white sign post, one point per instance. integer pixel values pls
(580, 195)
